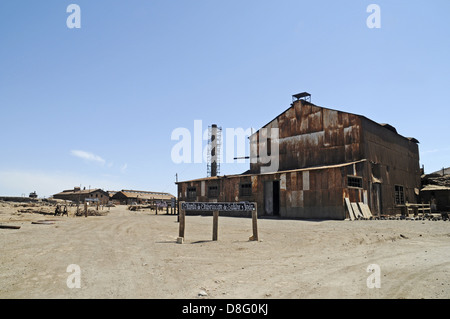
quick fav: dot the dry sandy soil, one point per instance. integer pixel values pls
(135, 255)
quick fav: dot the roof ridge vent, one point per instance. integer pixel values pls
(301, 96)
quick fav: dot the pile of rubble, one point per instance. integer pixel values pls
(436, 180)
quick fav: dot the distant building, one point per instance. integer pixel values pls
(436, 190)
(79, 195)
(129, 197)
(324, 156)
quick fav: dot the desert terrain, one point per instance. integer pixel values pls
(134, 254)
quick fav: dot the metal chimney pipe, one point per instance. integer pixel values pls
(214, 150)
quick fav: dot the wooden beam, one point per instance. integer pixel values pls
(9, 227)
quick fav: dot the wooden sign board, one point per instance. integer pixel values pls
(224, 207)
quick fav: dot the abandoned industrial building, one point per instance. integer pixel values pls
(324, 156)
(78, 195)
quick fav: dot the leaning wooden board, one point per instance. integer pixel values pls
(350, 209)
(365, 210)
(356, 210)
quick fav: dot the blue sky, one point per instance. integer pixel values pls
(96, 106)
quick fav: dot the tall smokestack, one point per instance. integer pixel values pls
(214, 150)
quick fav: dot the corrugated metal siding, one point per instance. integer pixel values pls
(312, 136)
(308, 194)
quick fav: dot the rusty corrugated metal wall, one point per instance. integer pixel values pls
(311, 136)
(394, 161)
(310, 194)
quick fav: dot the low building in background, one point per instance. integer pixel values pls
(78, 195)
(436, 190)
(130, 197)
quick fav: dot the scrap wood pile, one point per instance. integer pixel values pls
(436, 180)
(40, 210)
(361, 211)
(426, 216)
(91, 212)
(138, 207)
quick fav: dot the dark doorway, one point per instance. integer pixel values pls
(377, 200)
(276, 198)
(272, 198)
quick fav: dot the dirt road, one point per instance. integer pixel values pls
(134, 255)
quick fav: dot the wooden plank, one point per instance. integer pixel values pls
(43, 222)
(356, 210)
(9, 227)
(350, 209)
(368, 212)
(365, 210)
(362, 210)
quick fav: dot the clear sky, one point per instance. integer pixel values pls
(96, 106)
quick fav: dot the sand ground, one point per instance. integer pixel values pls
(129, 254)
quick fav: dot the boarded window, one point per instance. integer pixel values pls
(399, 195)
(213, 191)
(192, 192)
(354, 181)
(245, 189)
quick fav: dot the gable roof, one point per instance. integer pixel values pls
(142, 194)
(303, 102)
(80, 192)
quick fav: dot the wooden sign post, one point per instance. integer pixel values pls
(215, 224)
(255, 224)
(215, 208)
(181, 220)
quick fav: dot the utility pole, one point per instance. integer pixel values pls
(177, 210)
